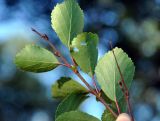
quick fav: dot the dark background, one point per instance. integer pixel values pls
(133, 25)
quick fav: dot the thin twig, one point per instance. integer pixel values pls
(94, 83)
(129, 107)
(94, 92)
(107, 106)
(97, 95)
(73, 61)
(118, 67)
(126, 92)
(55, 51)
(117, 105)
(66, 64)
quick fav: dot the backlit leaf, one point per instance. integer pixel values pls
(70, 103)
(107, 116)
(76, 116)
(35, 59)
(67, 20)
(66, 86)
(85, 52)
(108, 75)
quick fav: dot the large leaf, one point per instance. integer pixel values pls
(65, 86)
(85, 52)
(67, 20)
(35, 59)
(76, 116)
(107, 116)
(70, 103)
(122, 105)
(108, 75)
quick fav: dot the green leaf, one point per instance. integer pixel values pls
(122, 105)
(107, 116)
(67, 20)
(85, 52)
(76, 116)
(108, 75)
(65, 86)
(70, 103)
(121, 102)
(35, 59)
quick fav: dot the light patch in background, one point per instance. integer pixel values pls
(40, 116)
(109, 18)
(156, 118)
(11, 28)
(143, 112)
(92, 107)
(148, 48)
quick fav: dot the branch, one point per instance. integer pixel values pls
(96, 93)
(125, 91)
(55, 51)
(58, 54)
(117, 105)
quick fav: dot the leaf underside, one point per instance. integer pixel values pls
(85, 52)
(67, 20)
(108, 75)
(76, 116)
(70, 103)
(107, 116)
(35, 59)
(65, 86)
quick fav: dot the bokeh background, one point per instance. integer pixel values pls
(133, 25)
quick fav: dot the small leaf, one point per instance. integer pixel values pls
(108, 75)
(35, 59)
(107, 116)
(67, 20)
(70, 103)
(85, 52)
(66, 86)
(76, 116)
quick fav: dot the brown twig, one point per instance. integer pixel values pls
(95, 92)
(126, 92)
(58, 54)
(95, 85)
(55, 51)
(117, 105)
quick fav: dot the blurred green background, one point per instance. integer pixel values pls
(133, 25)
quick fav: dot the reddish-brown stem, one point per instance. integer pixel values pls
(118, 68)
(107, 106)
(94, 92)
(126, 92)
(73, 61)
(63, 65)
(129, 108)
(94, 83)
(117, 105)
(55, 51)
(66, 64)
(85, 82)
(97, 95)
